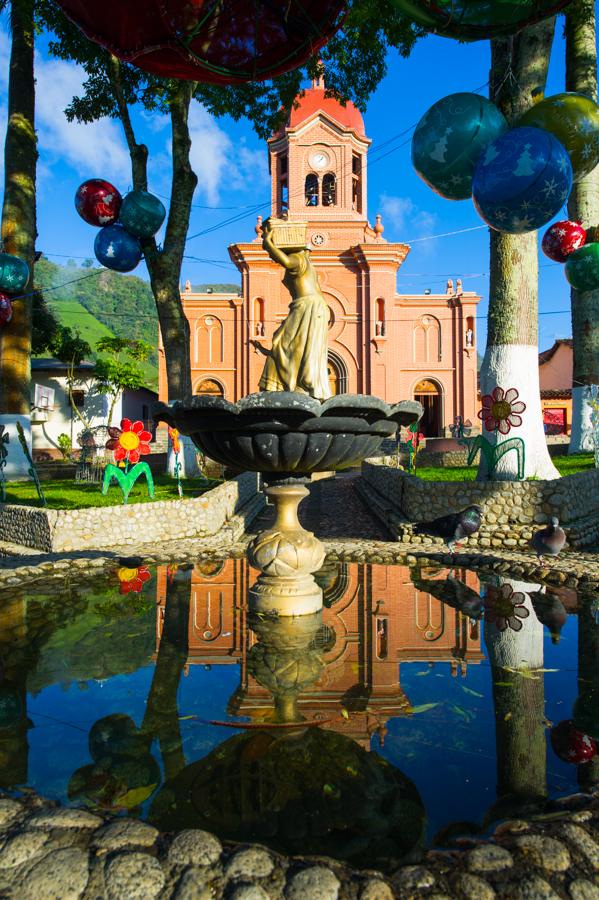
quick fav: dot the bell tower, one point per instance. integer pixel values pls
(318, 163)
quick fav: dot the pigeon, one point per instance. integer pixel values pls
(453, 527)
(549, 541)
(550, 611)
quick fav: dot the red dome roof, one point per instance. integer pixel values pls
(313, 100)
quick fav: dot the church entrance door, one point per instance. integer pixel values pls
(428, 392)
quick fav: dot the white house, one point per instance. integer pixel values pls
(52, 413)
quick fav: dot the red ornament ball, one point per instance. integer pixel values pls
(98, 202)
(229, 42)
(5, 310)
(572, 745)
(562, 239)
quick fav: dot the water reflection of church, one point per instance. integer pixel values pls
(374, 619)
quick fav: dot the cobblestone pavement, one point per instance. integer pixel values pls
(49, 852)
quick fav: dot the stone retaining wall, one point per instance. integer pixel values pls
(512, 509)
(63, 530)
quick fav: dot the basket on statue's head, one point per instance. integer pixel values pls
(288, 235)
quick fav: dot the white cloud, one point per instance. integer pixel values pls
(402, 214)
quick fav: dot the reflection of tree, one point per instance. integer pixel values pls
(586, 708)
(519, 700)
(123, 772)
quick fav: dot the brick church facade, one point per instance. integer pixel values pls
(395, 346)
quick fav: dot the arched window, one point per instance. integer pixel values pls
(208, 387)
(380, 326)
(259, 317)
(311, 189)
(337, 372)
(427, 340)
(329, 190)
(209, 341)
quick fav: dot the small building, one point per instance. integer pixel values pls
(53, 414)
(555, 379)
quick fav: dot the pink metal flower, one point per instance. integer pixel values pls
(501, 410)
(505, 607)
(128, 442)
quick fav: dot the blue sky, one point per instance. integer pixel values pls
(231, 164)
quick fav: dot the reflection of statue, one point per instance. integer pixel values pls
(297, 360)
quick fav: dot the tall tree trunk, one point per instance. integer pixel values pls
(519, 701)
(519, 65)
(164, 265)
(583, 206)
(18, 229)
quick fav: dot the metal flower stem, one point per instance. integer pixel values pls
(2, 481)
(31, 471)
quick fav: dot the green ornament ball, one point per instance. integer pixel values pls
(582, 268)
(574, 120)
(449, 140)
(142, 214)
(475, 20)
(14, 273)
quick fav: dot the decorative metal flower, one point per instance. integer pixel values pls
(173, 433)
(505, 607)
(132, 580)
(501, 410)
(128, 442)
(4, 441)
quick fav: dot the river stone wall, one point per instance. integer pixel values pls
(512, 510)
(233, 503)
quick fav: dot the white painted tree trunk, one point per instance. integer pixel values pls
(582, 437)
(516, 365)
(17, 464)
(187, 458)
(517, 649)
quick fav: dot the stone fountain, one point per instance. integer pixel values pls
(290, 429)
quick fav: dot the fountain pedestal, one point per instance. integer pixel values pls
(286, 555)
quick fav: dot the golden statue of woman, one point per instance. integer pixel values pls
(297, 360)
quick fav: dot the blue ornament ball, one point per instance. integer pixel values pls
(449, 140)
(522, 180)
(116, 249)
(142, 214)
(14, 273)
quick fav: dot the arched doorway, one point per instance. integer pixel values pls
(209, 387)
(429, 393)
(337, 372)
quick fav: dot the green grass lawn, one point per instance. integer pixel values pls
(566, 465)
(67, 494)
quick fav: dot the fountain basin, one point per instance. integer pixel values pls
(288, 433)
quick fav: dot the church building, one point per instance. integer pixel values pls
(395, 346)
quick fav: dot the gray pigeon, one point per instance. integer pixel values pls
(453, 527)
(549, 541)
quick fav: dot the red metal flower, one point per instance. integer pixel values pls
(132, 580)
(505, 607)
(128, 442)
(500, 410)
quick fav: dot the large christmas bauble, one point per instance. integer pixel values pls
(14, 273)
(582, 268)
(5, 310)
(116, 249)
(521, 180)
(561, 239)
(142, 214)
(572, 745)
(574, 120)
(449, 140)
(474, 20)
(98, 202)
(219, 41)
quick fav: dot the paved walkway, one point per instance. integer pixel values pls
(333, 510)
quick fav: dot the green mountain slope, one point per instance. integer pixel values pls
(76, 316)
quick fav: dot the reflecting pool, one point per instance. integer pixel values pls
(418, 707)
